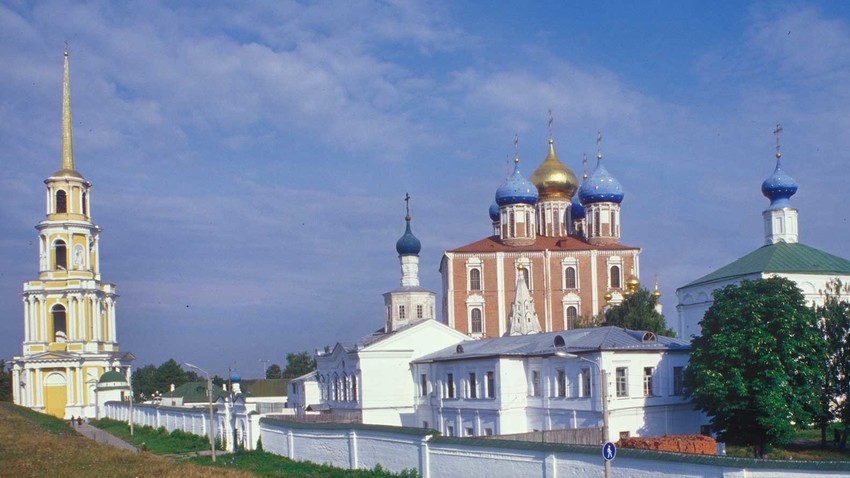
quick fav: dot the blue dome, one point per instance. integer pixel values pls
(516, 189)
(494, 212)
(576, 209)
(235, 377)
(408, 244)
(779, 188)
(600, 186)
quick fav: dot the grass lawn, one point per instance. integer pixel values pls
(155, 441)
(37, 445)
(265, 464)
(805, 446)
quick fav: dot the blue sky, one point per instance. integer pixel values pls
(249, 163)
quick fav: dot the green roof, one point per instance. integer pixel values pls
(194, 392)
(267, 387)
(112, 376)
(780, 258)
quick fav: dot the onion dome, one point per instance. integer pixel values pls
(632, 284)
(577, 210)
(494, 213)
(779, 187)
(112, 376)
(408, 244)
(516, 189)
(552, 179)
(608, 296)
(600, 186)
(235, 377)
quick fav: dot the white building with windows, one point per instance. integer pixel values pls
(552, 380)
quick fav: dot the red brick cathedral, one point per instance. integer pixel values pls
(555, 250)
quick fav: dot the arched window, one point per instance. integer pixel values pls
(527, 224)
(474, 279)
(570, 277)
(597, 228)
(557, 225)
(615, 277)
(511, 225)
(60, 255)
(61, 201)
(526, 277)
(354, 388)
(572, 317)
(613, 223)
(475, 325)
(85, 206)
(57, 316)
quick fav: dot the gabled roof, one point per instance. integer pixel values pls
(194, 392)
(574, 341)
(779, 258)
(379, 335)
(542, 243)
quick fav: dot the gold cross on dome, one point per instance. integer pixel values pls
(551, 121)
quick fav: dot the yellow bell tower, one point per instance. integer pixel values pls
(69, 314)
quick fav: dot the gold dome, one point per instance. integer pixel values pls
(552, 179)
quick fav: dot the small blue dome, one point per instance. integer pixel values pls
(600, 186)
(494, 212)
(576, 209)
(516, 190)
(408, 244)
(235, 377)
(779, 188)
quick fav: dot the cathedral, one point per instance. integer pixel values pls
(70, 339)
(555, 243)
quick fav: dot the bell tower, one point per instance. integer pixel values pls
(69, 314)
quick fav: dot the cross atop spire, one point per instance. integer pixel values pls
(583, 165)
(407, 207)
(598, 145)
(778, 132)
(516, 148)
(551, 121)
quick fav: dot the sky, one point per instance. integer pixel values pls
(249, 161)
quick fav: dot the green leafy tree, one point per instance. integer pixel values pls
(298, 364)
(637, 312)
(836, 328)
(274, 371)
(5, 383)
(168, 374)
(144, 382)
(758, 364)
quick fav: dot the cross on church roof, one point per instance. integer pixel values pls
(598, 144)
(407, 206)
(777, 132)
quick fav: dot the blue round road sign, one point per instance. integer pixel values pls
(609, 451)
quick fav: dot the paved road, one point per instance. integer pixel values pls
(101, 436)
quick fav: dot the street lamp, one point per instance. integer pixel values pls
(603, 378)
(209, 394)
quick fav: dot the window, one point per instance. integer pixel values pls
(525, 276)
(425, 424)
(354, 388)
(59, 324)
(572, 316)
(488, 432)
(476, 326)
(535, 383)
(61, 255)
(570, 277)
(597, 230)
(527, 224)
(450, 431)
(419, 311)
(423, 385)
(61, 201)
(450, 385)
(622, 382)
(561, 384)
(491, 385)
(473, 385)
(474, 279)
(678, 380)
(647, 381)
(401, 312)
(585, 382)
(470, 432)
(511, 224)
(85, 206)
(336, 388)
(345, 388)
(557, 224)
(615, 277)
(613, 223)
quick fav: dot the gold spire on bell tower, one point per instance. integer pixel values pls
(67, 133)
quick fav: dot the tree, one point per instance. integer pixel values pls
(637, 312)
(170, 373)
(757, 366)
(274, 371)
(836, 328)
(144, 382)
(5, 383)
(298, 364)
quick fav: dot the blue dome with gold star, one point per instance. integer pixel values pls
(408, 244)
(779, 187)
(494, 212)
(516, 190)
(600, 186)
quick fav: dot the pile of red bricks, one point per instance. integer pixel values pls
(697, 444)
